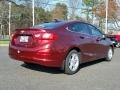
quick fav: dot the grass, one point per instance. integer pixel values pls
(4, 42)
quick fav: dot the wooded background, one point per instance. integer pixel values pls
(92, 11)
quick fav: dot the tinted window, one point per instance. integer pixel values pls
(95, 31)
(79, 27)
(49, 25)
(84, 28)
(74, 27)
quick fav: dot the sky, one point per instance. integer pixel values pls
(51, 4)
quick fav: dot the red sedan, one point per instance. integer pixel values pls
(117, 37)
(64, 44)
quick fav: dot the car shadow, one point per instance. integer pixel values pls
(91, 63)
(42, 68)
(57, 70)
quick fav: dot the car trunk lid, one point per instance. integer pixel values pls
(26, 37)
(32, 37)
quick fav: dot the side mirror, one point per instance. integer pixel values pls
(103, 37)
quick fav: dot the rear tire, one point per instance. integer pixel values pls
(109, 54)
(72, 62)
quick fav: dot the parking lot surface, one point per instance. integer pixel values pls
(98, 75)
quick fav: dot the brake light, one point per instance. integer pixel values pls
(12, 35)
(12, 38)
(46, 36)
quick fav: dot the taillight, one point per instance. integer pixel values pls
(12, 35)
(12, 38)
(46, 36)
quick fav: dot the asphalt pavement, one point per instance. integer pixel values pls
(97, 75)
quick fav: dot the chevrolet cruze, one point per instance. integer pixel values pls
(64, 44)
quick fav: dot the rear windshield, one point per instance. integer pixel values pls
(50, 25)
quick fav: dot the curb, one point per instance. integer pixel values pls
(4, 44)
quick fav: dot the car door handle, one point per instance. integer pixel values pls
(82, 37)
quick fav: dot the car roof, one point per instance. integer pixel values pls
(58, 23)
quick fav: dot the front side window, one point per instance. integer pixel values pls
(95, 31)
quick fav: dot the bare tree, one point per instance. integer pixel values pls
(113, 13)
(73, 5)
(3, 17)
(42, 3)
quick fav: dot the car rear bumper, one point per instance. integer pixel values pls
(45, 58)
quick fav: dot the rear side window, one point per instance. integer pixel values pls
(74, 27)
(84, 28)
(50, 25)
(79, 27)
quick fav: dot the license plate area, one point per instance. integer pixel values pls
(24, 39)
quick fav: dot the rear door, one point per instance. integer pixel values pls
(84, 40)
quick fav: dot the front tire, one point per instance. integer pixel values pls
(28, 64)
(118, 45)
(109, 54)
(72, 62)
